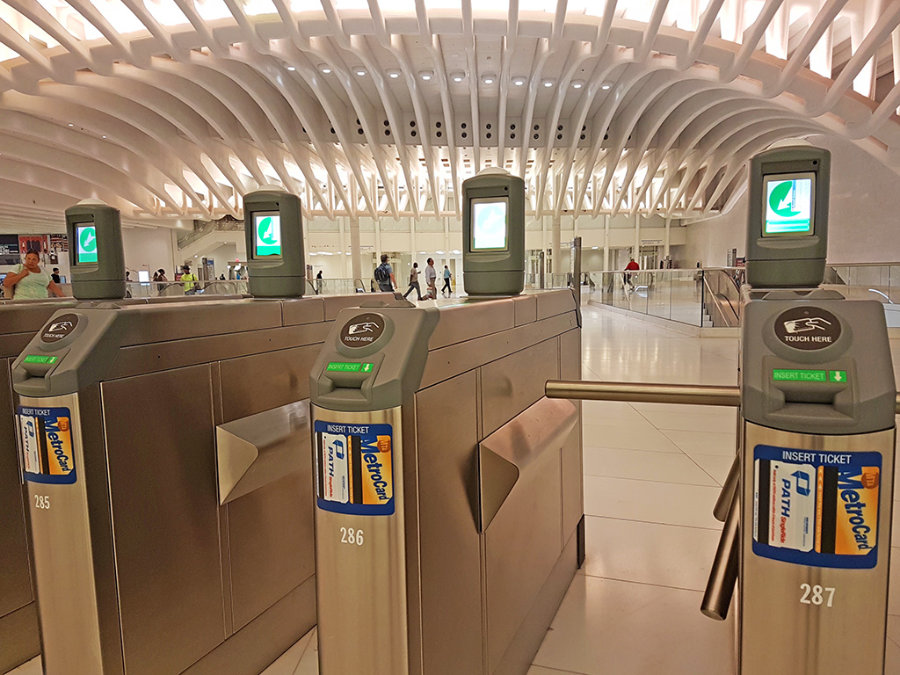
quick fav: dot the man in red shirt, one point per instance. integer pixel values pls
(629, 268)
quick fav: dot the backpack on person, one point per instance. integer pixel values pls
(382, 276)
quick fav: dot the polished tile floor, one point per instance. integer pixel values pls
(652, 475)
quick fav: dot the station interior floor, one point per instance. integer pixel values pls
(652, 473)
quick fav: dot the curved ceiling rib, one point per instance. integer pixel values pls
(175, 109)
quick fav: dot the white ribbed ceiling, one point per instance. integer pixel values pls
(174, 108)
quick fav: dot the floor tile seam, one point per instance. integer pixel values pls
(565, 671)
(302, 655)
(642, 583)
(705, 471)
(647, 480)
(676, 451)
(653, 522)
(659, 482)
(732, 434)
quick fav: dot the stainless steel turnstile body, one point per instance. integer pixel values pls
(840, 613)
(164, 570)
(466, 572)
(19, 635)
(817, 457)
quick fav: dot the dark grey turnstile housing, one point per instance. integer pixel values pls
(817, 452)
(449, 517)
(19, 637)
(159, 575)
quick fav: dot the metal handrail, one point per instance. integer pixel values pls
(698, 394)
(734, 318)
(650, 392)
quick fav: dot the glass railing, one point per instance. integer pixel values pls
(153, 289)
(165, 289)
(691, 296)
(868, 281)
(722, 296)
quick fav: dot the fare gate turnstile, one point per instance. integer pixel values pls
(440, 467)
(187, 526)
(19, 635)
(808, 523)
(817, 472)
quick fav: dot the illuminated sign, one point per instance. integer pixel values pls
(788, 204)
(86, 248)
(490, 224)
(267, 234)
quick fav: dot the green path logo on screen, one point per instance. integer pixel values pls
(87, 244)
(268, 234)
(788, 206)
(781, 201)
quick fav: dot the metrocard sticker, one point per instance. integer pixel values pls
(816, 508)
(47, 451)
(354, 468)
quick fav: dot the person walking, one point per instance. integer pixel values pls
(446, 286)
(630, 269)
(430, 279)
(384, 275)
(190, 286)
(319, 283)
(414, 282)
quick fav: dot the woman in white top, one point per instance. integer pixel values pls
(30, 281)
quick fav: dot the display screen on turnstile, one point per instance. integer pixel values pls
(788, 206)
(85, 244)
(490, 224)
(267, 234)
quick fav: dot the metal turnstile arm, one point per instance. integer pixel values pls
(724, 573)
(726, 496)
(696, 394)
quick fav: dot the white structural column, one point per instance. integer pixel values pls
(355, 253)
(605, 242)
(667, 242)
(636, 253)
(555, 234)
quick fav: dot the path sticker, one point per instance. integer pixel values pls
(47, 452)
(354, 469)
(816, 508)
(808, 328)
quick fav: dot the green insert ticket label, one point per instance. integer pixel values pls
(348, 367)
(39, 358)
(805, 375)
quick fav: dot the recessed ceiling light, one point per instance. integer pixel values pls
(457, 76)
(426, 75)
(489, 78)
(577, 84)
(324, 68)
(606, 86)
(103, 137)
(71, 124)
(291, 68)
(393, 73)
(360, 71)
(547, 83)
(519, 80)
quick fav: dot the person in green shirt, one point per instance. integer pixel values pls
(30, 282)
(190, 286)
